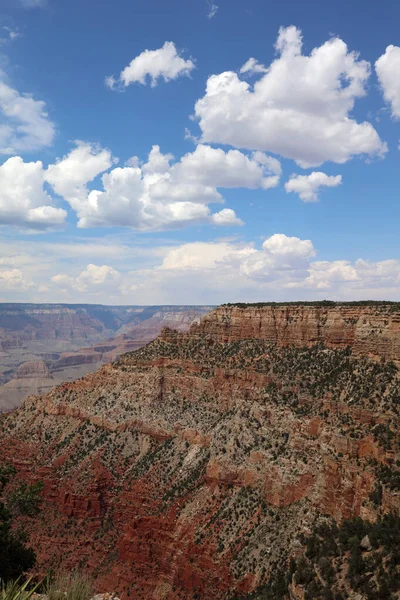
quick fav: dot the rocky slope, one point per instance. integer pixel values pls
(60, 336)
(371, 329)
(196, 466)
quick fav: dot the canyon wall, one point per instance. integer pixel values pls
(73, 340)
(370, 330)
(188, 468)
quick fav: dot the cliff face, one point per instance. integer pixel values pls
(30, 378)
(369, 330)
(59, 336)
(33, 370)
(27, 323)
(187, 468)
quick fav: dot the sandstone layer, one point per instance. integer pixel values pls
(371, 330)
(188, 468)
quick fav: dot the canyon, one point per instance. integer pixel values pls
(42, 345)
(195, 466)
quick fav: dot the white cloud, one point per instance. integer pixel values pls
(69, 175)
(64, 281)
(92, 279)
(300, 108)
(327, 275)
(25, 125)
(196, 255)
(13, 280)
(9, 34)
(232, 169)
(23, 201)
(226, 216)
(252, 66)
(158, 195)
(164, 63)
(280, 257)
(308, 186)
(388, 70)
(282, 268)
(281, 245)
(212, 9)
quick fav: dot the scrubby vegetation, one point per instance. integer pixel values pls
(228, 451)
(356, 556)
(15, 557)
(322, 303)
(68, 586)
(16, 590)
(60, 586)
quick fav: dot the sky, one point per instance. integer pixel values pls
(199, 151)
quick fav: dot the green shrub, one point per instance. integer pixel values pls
(15, 557)
(17, 591)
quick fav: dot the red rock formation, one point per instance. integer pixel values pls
(189, 466)
(369, 330)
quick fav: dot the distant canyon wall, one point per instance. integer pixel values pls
(42, 345)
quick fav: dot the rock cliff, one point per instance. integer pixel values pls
(30, 378)
(371, 330)
(188, 468)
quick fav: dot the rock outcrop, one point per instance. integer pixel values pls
(370, 329)
(33, 370)
(187, 468)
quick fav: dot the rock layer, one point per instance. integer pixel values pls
(53, 335)
(370, 330)
(187, 468)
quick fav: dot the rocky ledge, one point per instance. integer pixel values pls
(371, 330)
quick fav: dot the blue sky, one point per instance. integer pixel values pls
(283, 181)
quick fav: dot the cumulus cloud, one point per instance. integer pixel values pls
(301, 108)
(281, 268)
(69, 176)
(252, 66)
(284, 268)
(280, 257)
(152, 65)
(92, 279)
(13, 279)
(226, 216)
(308, 186)
(325, 275)
(388, 70)
(158, 194)
(232, 169)
(25, 125)
(23, 201)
